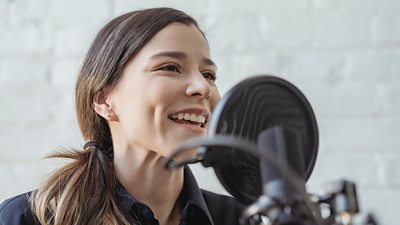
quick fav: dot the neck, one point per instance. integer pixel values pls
(143, 175)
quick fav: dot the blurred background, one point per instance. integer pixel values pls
(343, 54)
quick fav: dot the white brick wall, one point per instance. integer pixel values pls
(343, 54)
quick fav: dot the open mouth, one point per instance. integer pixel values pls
(190, 118)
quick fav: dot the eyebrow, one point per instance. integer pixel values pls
(181, 55)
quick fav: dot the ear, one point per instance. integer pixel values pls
(103, 107)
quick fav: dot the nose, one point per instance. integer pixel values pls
(198, 86)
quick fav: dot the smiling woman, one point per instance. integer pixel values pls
(146, 85)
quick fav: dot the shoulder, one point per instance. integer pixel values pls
(221, 205)
(17, 211)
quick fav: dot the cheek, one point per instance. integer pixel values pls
(162, 94)
(214, 99)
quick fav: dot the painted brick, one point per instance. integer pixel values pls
(346, 99)
(344, 6)
(386, 26)
(119, 6)
(18, 71)
(233, 8)
(347, 30)
(73, 40)
(38, 139)
(28, 106)
(94, 12)
(391, 171)
(286, 29)
(27, 12)
(302, 6)
(313, 66)
(237, 40)
(30, 40)
(191, 7)
(359, 134)
(3, 12)
(22, 176)
(64, 73)
(251, 64)
(3, 70)
(237, 67)
(392, 91)
(364, 168)
(373, 65)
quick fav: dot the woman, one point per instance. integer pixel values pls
(146, 84)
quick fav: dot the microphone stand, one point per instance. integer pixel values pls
(282, 203)
(284, 200)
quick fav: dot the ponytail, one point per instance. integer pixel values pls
(83, 191)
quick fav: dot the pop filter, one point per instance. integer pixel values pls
(250, 107)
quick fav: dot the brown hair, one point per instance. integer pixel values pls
(84, 191)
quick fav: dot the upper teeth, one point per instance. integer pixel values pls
(190, 117)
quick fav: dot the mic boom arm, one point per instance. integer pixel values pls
(341, 199)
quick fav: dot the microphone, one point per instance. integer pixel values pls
(250, 107)
(262, 142)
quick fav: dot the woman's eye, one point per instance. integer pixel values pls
(210, 76)
(171, 67)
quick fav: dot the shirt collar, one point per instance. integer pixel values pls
(191, 196)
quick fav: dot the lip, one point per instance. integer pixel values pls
(193, 128)
(195, 110)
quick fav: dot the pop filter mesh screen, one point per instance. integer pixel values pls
(248, 109)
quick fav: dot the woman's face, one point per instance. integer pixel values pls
(166, 93)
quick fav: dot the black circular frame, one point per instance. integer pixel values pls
(251, 106)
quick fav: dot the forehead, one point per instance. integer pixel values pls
(177, 37)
